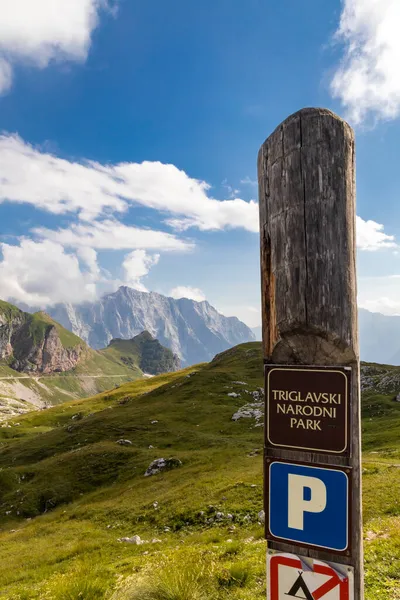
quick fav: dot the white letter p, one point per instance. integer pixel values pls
(297, 505)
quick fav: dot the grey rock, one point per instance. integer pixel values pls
(249, 411)
(124, 442)
(162, 464)
(261, 516)
(247, 519)
(131, 540)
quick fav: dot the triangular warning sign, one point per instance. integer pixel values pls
(298, 585)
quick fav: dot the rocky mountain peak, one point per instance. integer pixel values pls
(35, 343)
(194, 331)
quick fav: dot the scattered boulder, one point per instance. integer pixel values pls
(247, 519)
(162, 464)
(132, 540)
(124, 442)
(234, 395)
(249, 411)
(261, 516)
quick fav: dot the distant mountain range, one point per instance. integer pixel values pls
(194, 331)
(379, 337)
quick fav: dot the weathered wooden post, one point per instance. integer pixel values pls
(311, 356)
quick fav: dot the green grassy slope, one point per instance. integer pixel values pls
(9, 310)
(94, 373)
(143, 350)
(69, 491)
(67, 338)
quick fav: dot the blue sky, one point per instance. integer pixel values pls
(130, 133)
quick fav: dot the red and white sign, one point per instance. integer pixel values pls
(291, 576)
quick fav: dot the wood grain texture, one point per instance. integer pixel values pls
(306, 173)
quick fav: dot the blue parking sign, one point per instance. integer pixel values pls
(309, 505)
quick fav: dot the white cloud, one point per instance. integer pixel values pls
(248, 181)
(6, 76)
(137, 265)
(113, 235)
(380, 294)
(40, 274)
(368, 79)
(91, 189)
(40, 31)
(88, 257)
(192, 293)
(370, 236)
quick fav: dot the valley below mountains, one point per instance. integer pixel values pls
(42, 363)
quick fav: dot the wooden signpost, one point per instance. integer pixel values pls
(311, 357)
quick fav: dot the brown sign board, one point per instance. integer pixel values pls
(307, 408)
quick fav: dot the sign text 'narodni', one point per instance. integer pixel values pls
(307, 408)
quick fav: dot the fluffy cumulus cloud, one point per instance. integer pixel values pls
(40, 31)
(42, 273)
(192, 293)
(91, 189)
(368, 79)
(370, 236)
(137, 265)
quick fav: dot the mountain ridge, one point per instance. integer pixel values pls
(194, 331)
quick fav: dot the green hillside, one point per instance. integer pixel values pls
(94, 373)
(72, 371)
(144, 351)
(72, 484)
(67, 338)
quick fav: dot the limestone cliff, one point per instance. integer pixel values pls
(194, 331)
(35, 343)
